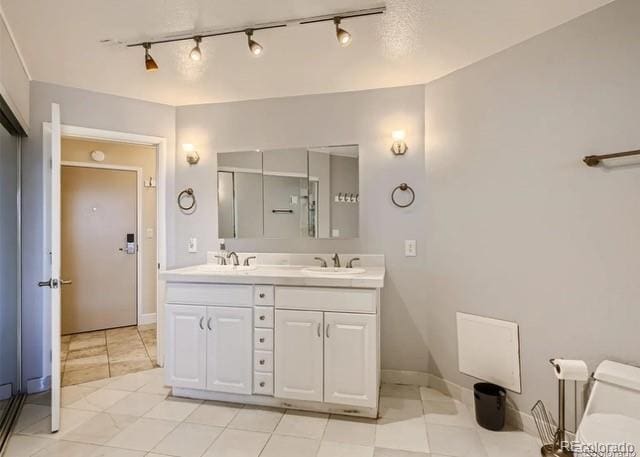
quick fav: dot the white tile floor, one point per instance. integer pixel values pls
(133, 416)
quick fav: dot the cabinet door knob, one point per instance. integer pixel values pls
(262, 295)
(262, 384)
(262, 362)
(262, 340)
(263, 317)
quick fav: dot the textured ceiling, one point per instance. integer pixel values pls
(416, 41)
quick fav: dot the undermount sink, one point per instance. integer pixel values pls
(337, 271)
(215, 268)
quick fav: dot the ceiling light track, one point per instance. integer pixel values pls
(344, 37)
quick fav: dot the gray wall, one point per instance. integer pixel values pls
(365, 118)
(8, 261)
(517, 227)
(85, 109)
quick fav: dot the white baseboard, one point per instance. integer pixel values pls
(514, 417)
(145, 319)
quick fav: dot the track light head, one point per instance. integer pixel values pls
(344, 37)
(255, 47)
(196, 54)
(149, 63)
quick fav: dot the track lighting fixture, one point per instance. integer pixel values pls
(149, 63)
(195, 53)
(344, 37)
(255, 47)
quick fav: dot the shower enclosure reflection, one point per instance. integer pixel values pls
(307, 192)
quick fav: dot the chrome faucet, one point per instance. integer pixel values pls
(350, 262)
(323, 263)
(236, 262)
(246, 261)
(336, 260)
(221, 259)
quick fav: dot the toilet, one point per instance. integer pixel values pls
(612, 414)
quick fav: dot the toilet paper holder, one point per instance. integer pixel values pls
(554, 439)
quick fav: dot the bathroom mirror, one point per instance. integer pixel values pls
(306, 192)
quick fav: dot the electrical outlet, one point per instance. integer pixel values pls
(193, 245)
(410, 248)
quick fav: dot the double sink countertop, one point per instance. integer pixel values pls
(285, 270)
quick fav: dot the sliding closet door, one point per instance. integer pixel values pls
(9, 311)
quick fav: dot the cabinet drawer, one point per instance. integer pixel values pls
(263, 361)
(263, 339)
(263, 295)
(327, 299)
(263, 383)
(263, 317)
(209, 294)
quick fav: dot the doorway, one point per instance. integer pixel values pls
(109, 255)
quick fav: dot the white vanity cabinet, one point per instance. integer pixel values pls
(301, 347)
(330, 357)
(209, 346)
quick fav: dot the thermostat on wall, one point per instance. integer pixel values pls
(97, 156)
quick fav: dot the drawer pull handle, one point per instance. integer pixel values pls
(262, 295)
(262, 340)
(262, 384)
(263, 317)
(262, 362)
(318, 330)
(201, 323)
(327, 331)
(209, 324)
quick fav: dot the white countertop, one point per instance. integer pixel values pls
(282, 275)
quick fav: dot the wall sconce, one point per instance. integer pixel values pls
(399, 147)
(191, 154)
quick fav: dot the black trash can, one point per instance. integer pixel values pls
(490, 401)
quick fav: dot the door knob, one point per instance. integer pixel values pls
(261, 362)
(262, 340)
(262, 318)
(262, 295)
(44, 283)
(262, 384)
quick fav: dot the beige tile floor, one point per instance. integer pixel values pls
(134, 416)
(107, 353)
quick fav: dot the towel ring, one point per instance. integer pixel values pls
(403, 187)
(186, 193)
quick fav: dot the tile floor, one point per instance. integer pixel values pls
(134, 416)
(107, 353)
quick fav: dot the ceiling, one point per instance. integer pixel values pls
(416, 41)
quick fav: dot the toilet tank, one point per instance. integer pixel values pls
(613, 411)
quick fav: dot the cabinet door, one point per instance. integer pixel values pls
(229, 349)
(298, 353)
(350, 359)
(186, 346)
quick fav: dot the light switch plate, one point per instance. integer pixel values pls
(149, 233)
(410, 248)
(193, 245)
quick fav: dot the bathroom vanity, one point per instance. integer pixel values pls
(280, 333)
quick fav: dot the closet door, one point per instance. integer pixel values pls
(229, 349)
(298, 353)
(350, 359)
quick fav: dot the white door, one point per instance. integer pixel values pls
(186, 356)
(51, 144)
(229, 349)
(298, 353)
(350, 359)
